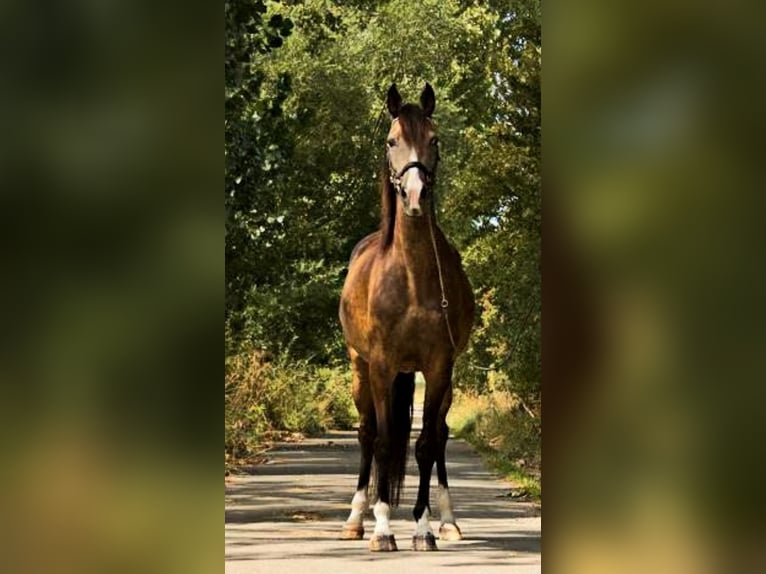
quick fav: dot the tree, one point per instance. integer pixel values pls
(253, 145)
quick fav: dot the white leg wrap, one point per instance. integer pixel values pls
(359, 505)
(382, 513)
(445, 505)
(423, 525)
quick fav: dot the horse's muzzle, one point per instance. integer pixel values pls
(413, 211)
(412, 202)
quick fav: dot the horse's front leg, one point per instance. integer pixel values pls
(438, 381)
(353, 529)
(381, 380)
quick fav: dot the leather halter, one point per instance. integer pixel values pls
(396, 177)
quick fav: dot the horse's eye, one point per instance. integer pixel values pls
(434, 141)
(391, 142)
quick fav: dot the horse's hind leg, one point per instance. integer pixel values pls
(353, 529)
(448, 529)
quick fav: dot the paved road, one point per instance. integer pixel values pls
(285, 516)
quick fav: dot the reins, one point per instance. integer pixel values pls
(444, 302)
(396, 180)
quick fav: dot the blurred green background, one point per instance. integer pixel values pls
(653, 286)
(112, 283)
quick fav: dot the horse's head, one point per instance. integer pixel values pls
(412, 148)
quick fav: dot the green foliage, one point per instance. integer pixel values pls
(501, 191)
(263, 396)
(289, 401)
(299, 318)
(254, 145)
(245, 420)
(334, 392)
(500, 426)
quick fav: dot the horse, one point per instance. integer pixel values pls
(406, 306)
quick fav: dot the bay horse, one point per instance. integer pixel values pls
(406, 306)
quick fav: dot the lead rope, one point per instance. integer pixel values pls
(444, 303)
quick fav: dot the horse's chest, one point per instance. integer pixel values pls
(413, 327)
(405, 297)
(405, 314)
(419, 318)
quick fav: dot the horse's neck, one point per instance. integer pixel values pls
(412, 240)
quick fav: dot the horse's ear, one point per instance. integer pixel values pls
(428, 100)
(394, 101)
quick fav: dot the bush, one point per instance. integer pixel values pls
(497, 423)
(514, 435)
(245, 421)
(262, 396)
(334, 388)
(290, 399)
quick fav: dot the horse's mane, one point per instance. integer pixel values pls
(413, 123)
(387, 208)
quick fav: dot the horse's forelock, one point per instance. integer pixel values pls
(413, 123)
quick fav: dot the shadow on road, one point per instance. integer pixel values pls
(315, 480)
(496, 549)
(289, 511)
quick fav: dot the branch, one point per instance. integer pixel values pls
(526, 408)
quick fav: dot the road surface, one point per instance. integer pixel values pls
(285, 516)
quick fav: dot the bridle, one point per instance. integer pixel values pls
(396, 180)
(396, 177)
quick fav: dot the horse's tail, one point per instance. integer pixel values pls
(400, 425)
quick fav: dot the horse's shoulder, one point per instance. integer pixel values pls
(453, 250)
(363, 245)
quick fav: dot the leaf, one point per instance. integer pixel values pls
(276, 21)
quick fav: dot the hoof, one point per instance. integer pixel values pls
(383, 543)
(450, 531)
(427, 542)
(352, 532)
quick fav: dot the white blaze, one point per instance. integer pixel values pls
(413, 183)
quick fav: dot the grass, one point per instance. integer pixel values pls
(525, 485)
(507, 437)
